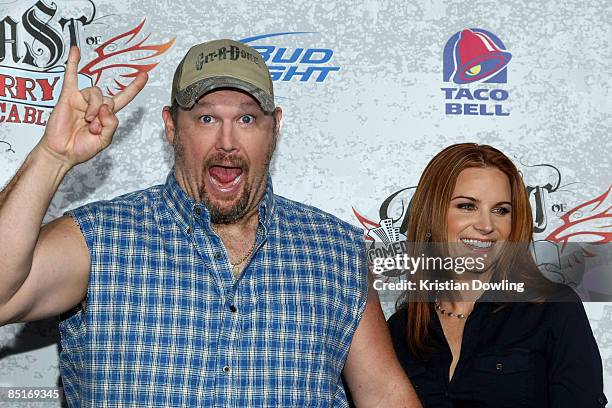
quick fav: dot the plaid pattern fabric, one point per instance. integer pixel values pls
(166, 324)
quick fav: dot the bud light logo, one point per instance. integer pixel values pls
(475, 56)
(299, 63)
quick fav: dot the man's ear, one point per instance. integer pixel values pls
(169, 124)
(278, 115)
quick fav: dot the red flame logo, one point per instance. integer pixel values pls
(112, 54)
(367, 224)
(589, 222)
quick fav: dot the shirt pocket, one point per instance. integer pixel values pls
(502, 379)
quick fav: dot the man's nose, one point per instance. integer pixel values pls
(226, 138)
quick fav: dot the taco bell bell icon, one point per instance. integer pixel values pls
(475, 56)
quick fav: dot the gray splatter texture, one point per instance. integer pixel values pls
(370, 128)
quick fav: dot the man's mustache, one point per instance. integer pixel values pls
(226, 160)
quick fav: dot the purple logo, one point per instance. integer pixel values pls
(472, 56)
(475, 55)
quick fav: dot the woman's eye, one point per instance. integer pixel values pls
(207, 119)
(466, 206)
(247, 119)
(501, 210)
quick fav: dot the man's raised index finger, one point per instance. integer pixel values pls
(72, 66)
(125, 96)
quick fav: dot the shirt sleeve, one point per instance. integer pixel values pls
(576, 374)
(86, 219)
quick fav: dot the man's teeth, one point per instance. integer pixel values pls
(478, 244)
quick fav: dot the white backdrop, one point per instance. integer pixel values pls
(364, 109)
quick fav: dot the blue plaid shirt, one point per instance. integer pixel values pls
(165, 323)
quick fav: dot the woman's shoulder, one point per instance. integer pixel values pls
(560, 293)
(564, 303)
(560, 308)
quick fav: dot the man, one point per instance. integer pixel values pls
(206, 291)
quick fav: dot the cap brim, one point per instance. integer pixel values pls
(190, 95)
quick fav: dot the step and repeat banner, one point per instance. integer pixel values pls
(370, 93)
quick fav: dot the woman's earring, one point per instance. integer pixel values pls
(428, 236)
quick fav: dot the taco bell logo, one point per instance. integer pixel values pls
(475, 56)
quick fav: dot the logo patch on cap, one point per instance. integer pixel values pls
(223, 53)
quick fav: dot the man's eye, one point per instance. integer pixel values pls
(207, 119)
(247, 119)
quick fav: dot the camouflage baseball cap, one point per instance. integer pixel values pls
(222, 64)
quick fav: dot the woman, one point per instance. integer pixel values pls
(462, 351)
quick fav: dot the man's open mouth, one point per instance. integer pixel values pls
(225, 178)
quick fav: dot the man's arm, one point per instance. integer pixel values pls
(372, 371)
(45, 271)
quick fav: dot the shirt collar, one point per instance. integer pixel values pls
(266, 207)
(185, 209)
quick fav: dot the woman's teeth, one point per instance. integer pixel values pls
(477, 243)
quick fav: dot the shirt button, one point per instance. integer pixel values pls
(198, 210)
(602, 400)
(218, 255)
(233, 308)
(226, 369)
(499, 366)
(189, 230)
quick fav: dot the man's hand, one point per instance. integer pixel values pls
(83, 122)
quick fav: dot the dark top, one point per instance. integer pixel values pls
(524, 355)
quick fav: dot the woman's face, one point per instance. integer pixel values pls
(479, 215)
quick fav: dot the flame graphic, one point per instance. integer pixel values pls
(368, 224)
(591, 220)
(103, 69)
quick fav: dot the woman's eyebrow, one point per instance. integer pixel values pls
(465, 197)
